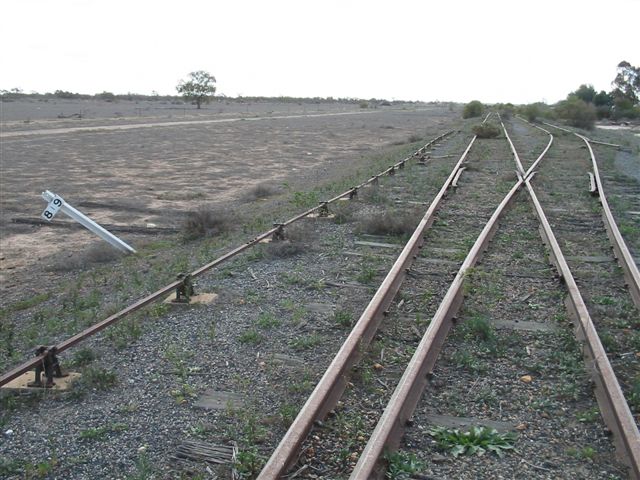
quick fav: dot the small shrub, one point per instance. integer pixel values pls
(486, 130)
(101, 253)
(250, 336)
(306, 342)
(394, 222)
(342, 212)
(260, 191)
(83, 357)
(473, 109)
(414, 138)
(206, 223)
(99, 378)
(343, 318)
(296, 241)
(267, 320)
(249, 462)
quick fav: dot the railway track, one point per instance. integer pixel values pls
(401, 406)
(240, 279)
(344, 428)
(278, 229)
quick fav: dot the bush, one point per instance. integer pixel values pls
(486, 130)
(473, 109)
(531, 112)
(506, 110)
(624, 108)
(577, 113)
(401, 222)
(206, 223)
(106, 96)
(260, 191)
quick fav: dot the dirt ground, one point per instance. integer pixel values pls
(144, 164)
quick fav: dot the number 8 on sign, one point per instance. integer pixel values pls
(52, 208)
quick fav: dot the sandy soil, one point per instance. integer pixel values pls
(136, 164)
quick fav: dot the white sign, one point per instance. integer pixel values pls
(52, 208)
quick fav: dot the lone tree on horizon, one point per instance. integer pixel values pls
(199, 88)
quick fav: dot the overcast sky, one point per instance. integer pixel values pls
(491, 50)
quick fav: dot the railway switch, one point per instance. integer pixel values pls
(49, 365)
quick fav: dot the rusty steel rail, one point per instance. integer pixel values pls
(620, 248)
(79, 337)
(614, 407)
(388, 432)
(332, 384)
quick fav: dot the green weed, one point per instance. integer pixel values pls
(476, 441)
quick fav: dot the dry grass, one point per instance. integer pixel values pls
(206, 222)
(298, 238)
(262, 190)
(486, 130)
(390, 222)
(94, 254)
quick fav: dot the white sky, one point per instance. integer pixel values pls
(491, 50)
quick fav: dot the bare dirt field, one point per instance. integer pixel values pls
(141, 164)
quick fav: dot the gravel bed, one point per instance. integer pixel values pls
(494, 371)
(563, 193)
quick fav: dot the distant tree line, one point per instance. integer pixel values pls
(16, 94)
(583, 106)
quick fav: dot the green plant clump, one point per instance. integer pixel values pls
(402, 465)
(476, 441)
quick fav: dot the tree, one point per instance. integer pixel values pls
(627, 82)
(199, 88)
(586, 93)
(603, 99)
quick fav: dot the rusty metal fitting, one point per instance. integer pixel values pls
(49, 365)
(324, 209)
(185, 290)
(279, 232)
